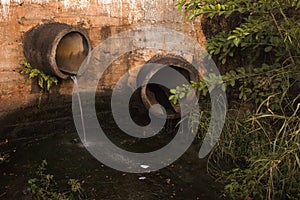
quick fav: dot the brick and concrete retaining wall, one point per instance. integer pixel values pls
(100, 19)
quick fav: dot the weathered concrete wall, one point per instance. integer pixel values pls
(100, 21)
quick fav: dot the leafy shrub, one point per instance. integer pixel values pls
(261, 137)
(44, 187)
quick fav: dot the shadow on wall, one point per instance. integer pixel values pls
(37, 120)
(53, 115)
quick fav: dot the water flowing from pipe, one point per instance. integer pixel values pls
(76, 89)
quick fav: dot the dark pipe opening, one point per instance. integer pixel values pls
(157, 94)
(160, 94)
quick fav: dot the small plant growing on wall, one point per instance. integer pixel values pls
(45, 81)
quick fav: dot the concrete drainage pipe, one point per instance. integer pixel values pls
(156, 94)
(56, 48)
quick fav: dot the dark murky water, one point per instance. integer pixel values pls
(67, 158)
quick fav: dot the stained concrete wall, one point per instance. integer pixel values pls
(100, 20)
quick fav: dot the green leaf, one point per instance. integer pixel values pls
(181, 95)
(241, 70)
(173, 91)
(241, 95)
(223, 61)
(224, 87)
(191, 16)
(268, 49)
(205, 91)
(49, 84)
(231, 37)
(180, 5)
(236, 41)
(171, 97)
(41, 82)
(232, 82)
(175, 100)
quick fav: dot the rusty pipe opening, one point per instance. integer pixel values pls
(56, 48)
(157, 94)
(71, 51)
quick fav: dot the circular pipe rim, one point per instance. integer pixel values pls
(148, 103)
(54, 45)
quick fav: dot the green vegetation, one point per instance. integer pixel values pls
(261, 137)
(45, 81)
(44, 187)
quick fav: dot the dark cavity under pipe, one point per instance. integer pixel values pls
(156, 94)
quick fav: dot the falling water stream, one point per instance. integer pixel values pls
(76, 89)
